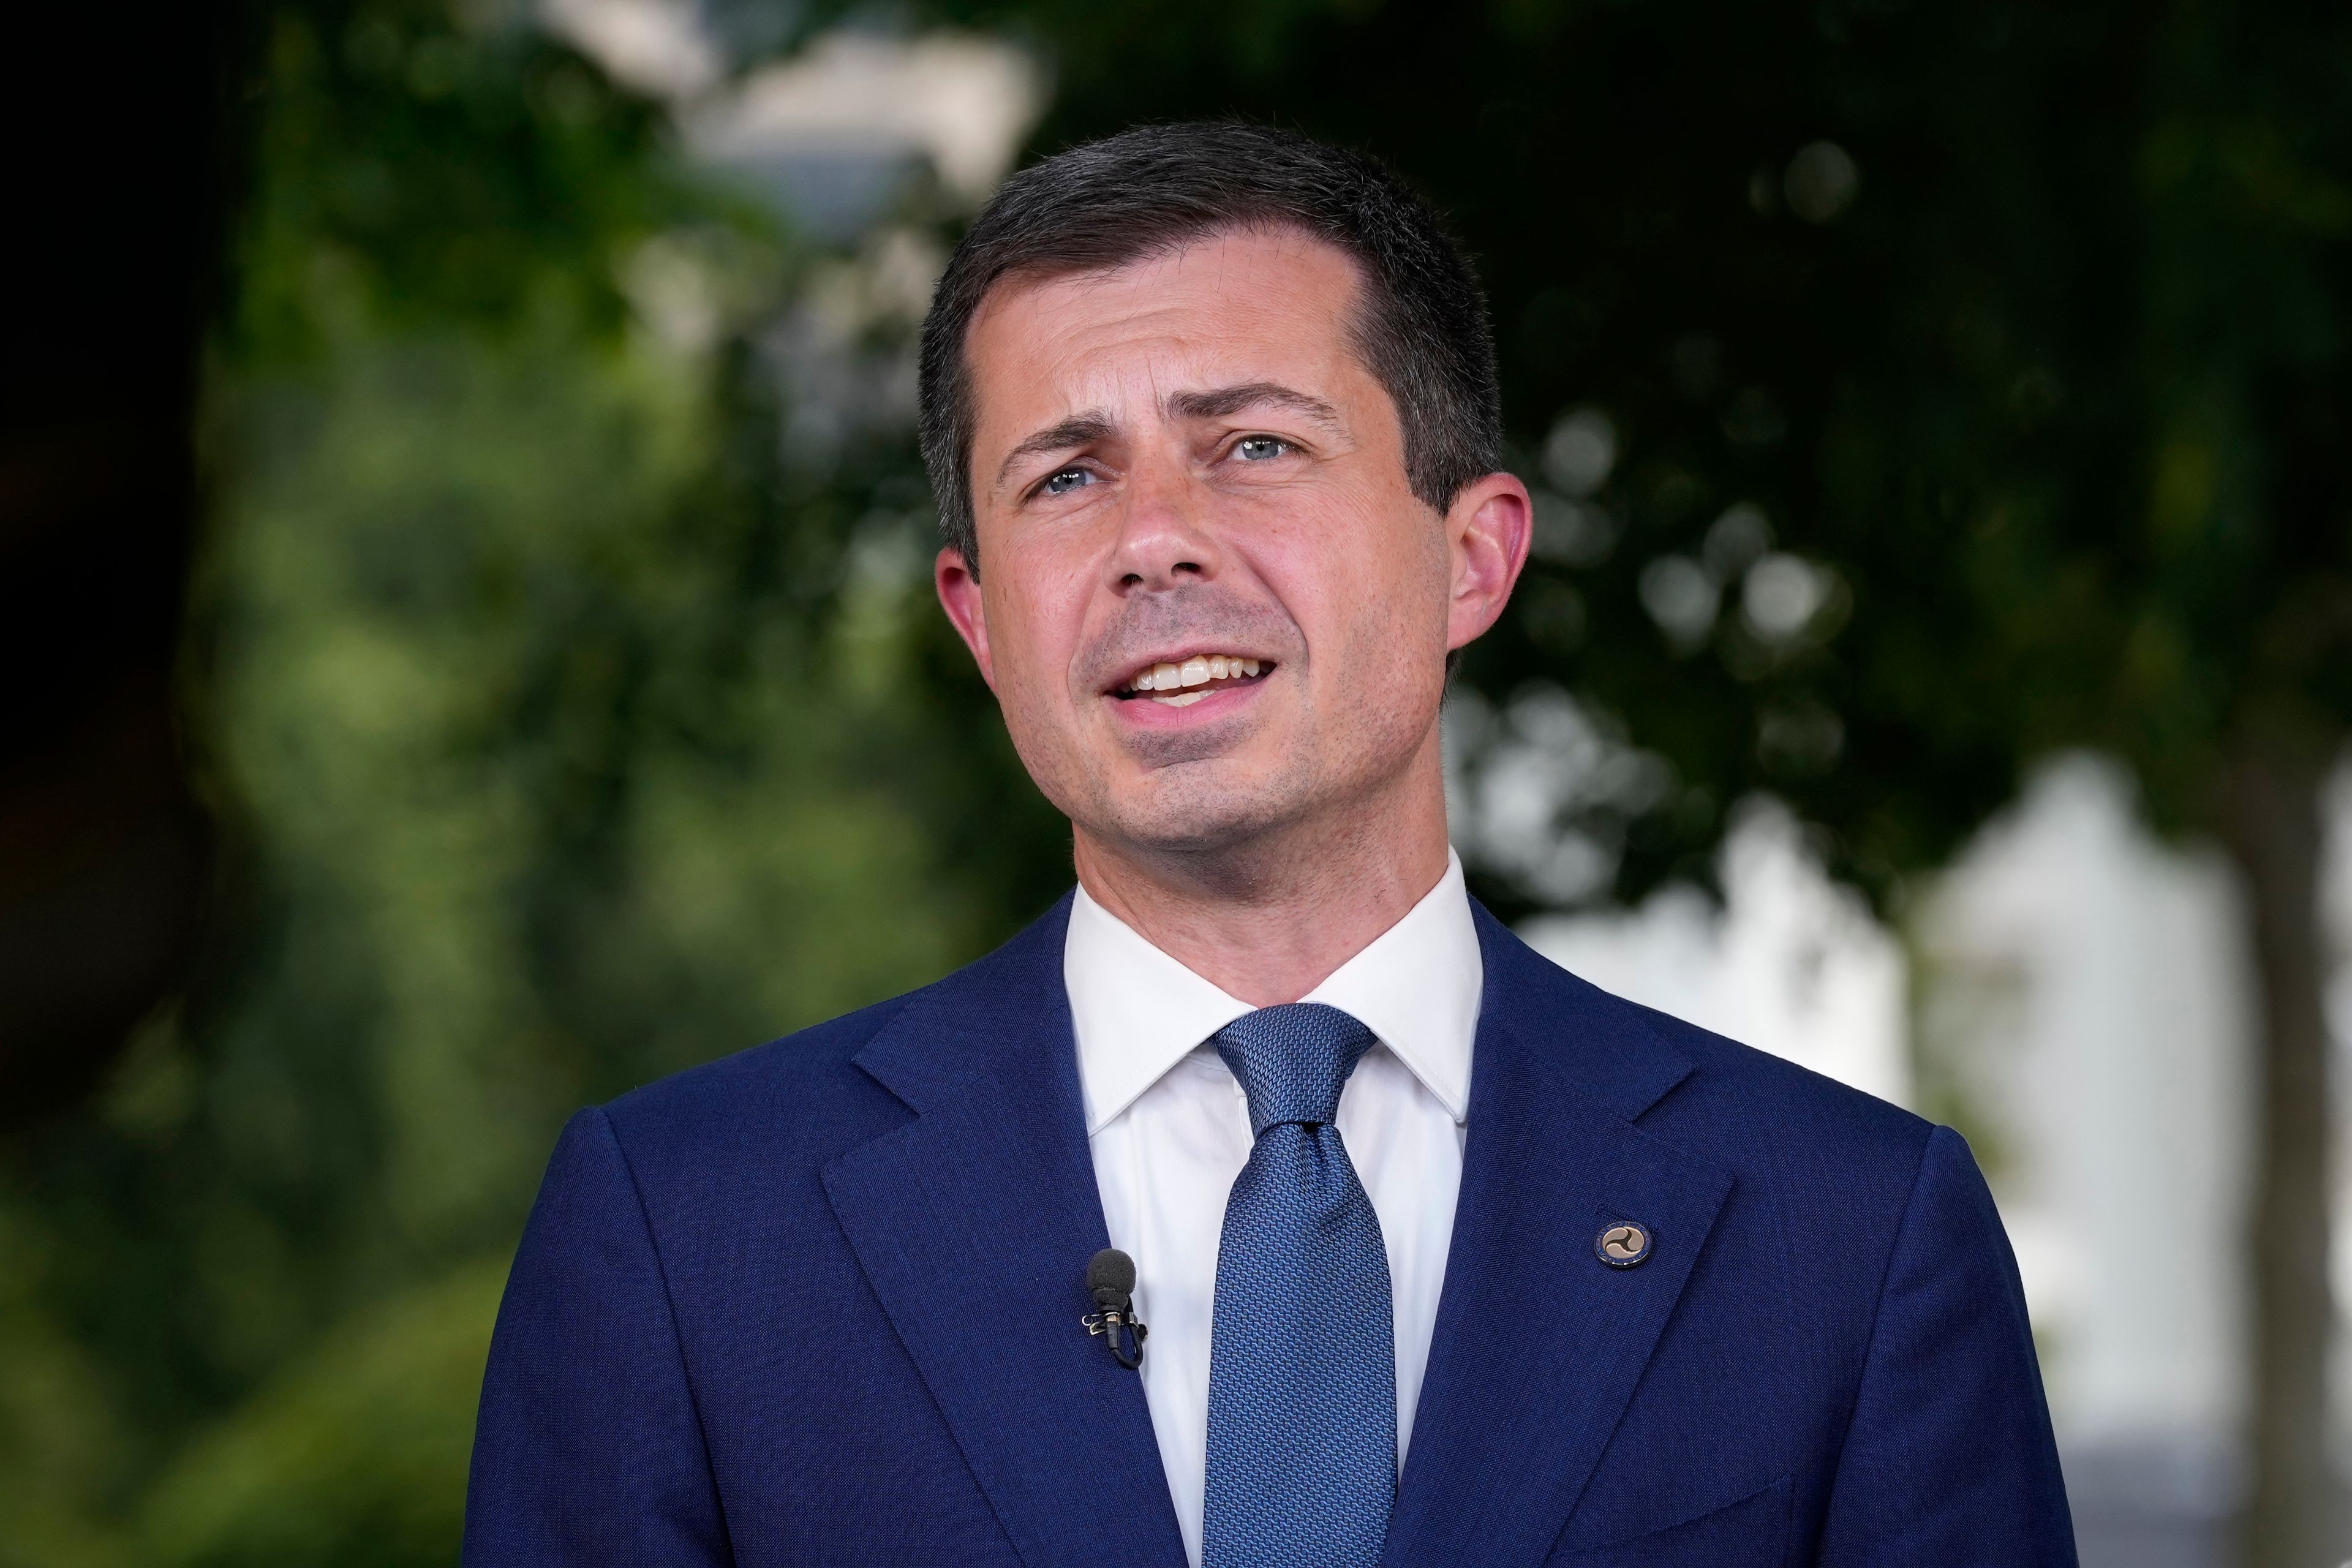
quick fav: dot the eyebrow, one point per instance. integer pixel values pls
(1217, 403)
(1077, 430)
(1220, 402)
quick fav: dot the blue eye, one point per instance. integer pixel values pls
(1066, 481)
(1260, 449)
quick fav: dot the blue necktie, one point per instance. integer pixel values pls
(1302, 1358)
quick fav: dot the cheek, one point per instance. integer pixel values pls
(1380, 589)
(1034, 622)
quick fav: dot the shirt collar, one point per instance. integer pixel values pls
(1136, 1012)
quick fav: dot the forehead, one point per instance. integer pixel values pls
(1231, 307)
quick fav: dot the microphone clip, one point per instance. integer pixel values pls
(1113, 1324)
(1110, 1279)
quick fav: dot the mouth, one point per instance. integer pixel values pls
(1180, 683)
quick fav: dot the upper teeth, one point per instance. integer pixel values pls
(1196, 671)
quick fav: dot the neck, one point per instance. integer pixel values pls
(1268, 919)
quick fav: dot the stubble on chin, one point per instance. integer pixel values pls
(1216, 815)
(1218, 804)
(1187, 811)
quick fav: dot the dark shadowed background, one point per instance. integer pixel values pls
(465, 557)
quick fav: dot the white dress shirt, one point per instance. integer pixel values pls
(1170, 1129)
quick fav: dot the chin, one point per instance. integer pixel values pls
(1196, 818)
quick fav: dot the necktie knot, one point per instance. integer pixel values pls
(1293, 1060)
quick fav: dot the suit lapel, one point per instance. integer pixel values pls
(1539, 1344)
(975, 1223)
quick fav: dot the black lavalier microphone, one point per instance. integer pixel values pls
(1110, 1279)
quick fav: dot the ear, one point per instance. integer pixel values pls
(958, 588)
(1487, 530)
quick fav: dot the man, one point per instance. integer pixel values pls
(1446, 1256)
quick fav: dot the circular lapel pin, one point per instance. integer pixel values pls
(1621, 1245)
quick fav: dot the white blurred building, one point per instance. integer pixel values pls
(2086, 992)
(832, 132)
(1790, 963)
(2089, 990)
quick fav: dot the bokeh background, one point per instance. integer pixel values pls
(465, 562)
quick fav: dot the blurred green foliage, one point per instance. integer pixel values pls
(2028, 324)
(566, 734)
(349, 1455)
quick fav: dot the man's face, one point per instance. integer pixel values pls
(1208, 600)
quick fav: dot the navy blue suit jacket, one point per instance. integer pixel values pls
(819, 1303)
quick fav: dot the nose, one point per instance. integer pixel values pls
(1164, 540)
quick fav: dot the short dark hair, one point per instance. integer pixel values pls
(1421, 328)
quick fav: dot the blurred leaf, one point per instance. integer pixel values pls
(353, 1457)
